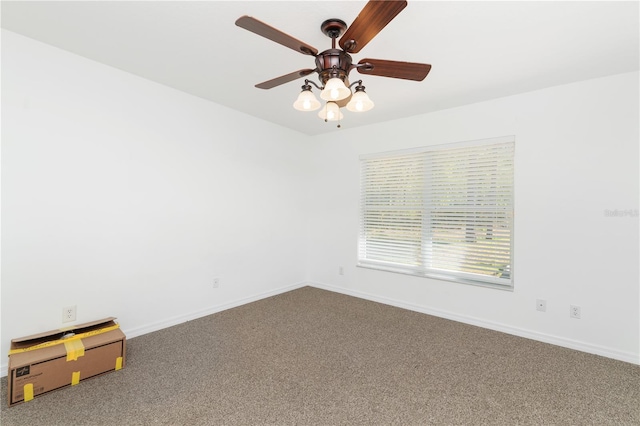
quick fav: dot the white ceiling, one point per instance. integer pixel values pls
(478, 50)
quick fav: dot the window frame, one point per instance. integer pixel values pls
(422, 270)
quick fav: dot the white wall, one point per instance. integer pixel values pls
(126, 198)
(576, 156)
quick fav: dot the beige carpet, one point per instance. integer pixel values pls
(312, 357)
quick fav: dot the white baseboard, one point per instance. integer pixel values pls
(534, 335)
(169, 322)
(516, 331)
(148, 328)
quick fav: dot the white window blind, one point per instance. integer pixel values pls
(444, 212)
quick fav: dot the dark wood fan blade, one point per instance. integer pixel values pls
(375, 15)
(283, 79)
(394, 69)
(267, 31)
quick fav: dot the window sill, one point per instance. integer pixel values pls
(436, 276)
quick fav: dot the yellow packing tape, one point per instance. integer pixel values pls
(28, 392)
(118, 363)
(75, 378)
(75, 349)
(59, 341)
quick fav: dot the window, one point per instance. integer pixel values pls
(443, 212)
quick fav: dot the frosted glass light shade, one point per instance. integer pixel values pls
(331, 112)
(335, 90)
(360, 102)
(306, 101)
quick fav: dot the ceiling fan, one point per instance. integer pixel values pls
(334, 65)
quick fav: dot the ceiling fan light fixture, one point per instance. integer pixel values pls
(334, 65)
(331, 112)
(306, 100)
(360, 101)
(335, 90)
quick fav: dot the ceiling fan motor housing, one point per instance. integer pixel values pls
(333, 63)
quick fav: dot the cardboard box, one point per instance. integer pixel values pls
(47, 361)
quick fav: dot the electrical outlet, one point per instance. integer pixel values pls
(541, 305)
(69, 314)
(574, 311)
(216, 282)
(341, 270)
